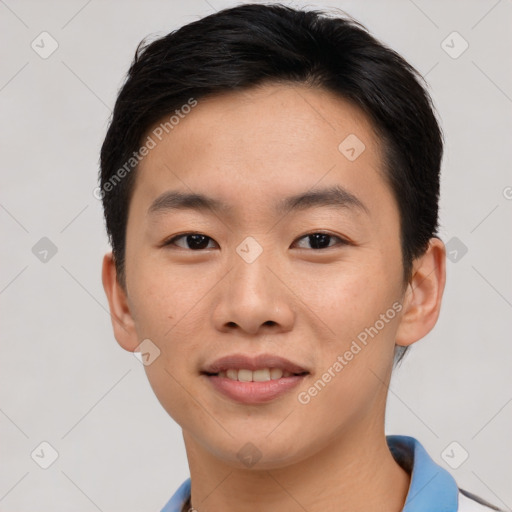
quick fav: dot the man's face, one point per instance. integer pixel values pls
(278, 292)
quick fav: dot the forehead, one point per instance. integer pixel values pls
(262, 143)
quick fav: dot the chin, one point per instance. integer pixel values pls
(256, 452)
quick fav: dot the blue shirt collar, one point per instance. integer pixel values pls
(431, 488)
(178, 498)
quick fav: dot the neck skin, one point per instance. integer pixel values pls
(354, 472)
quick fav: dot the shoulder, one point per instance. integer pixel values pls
(469, 502)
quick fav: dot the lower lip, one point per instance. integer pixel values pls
(254, 392)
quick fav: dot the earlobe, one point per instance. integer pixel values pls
(122, 320)
(422, 301)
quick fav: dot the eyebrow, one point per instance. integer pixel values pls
(335, 196)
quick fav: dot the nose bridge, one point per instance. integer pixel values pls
(251, 276)
(252, 297)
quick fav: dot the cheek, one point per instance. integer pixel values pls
(359, 312)
(353, 368)
(168, 311)
(346, 299)
(163, 296)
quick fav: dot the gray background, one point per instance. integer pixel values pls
(64, 378)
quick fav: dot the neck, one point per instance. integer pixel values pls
(353, 472)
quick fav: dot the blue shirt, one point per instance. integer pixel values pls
(432, 488)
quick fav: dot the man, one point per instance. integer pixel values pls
(270, 180)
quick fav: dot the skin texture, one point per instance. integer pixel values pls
(251, 149)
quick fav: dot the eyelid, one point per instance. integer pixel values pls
(341, 240)
(169, 241)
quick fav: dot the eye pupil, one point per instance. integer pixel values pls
(197, 241)
(318, 240)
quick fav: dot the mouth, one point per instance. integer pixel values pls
(253, 380)
(260, 375)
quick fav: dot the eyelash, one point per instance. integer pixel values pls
(341, 242)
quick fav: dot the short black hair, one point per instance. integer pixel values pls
(254, 44)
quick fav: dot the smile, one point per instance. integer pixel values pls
(254, 387)
(261, 375)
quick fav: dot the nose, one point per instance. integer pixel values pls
(253, 299)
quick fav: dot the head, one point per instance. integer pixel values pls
(270, 182)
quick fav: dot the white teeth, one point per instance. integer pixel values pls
(231, 374)
(244, 375)
(260, 375)
(276, 373)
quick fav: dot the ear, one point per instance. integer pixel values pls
(422, 300)
(122, 320)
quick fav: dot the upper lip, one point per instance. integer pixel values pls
(242, 361)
